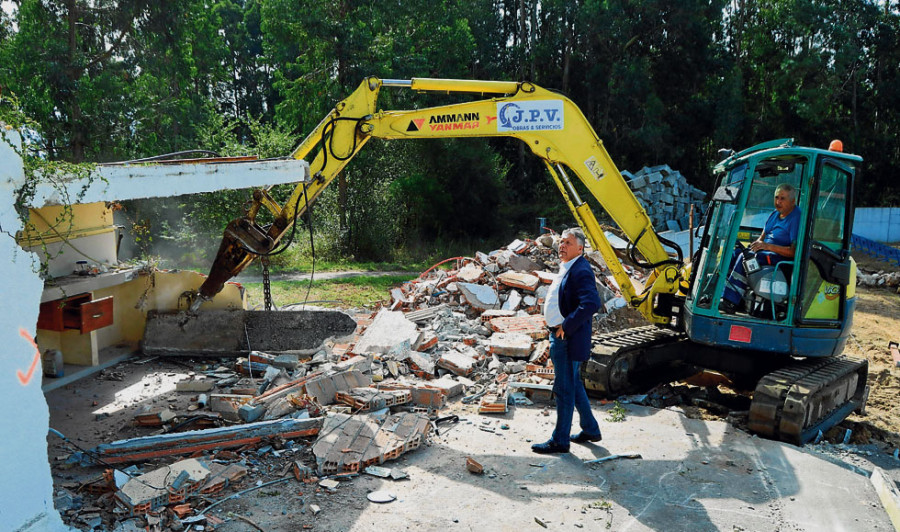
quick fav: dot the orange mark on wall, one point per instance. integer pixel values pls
(25, 378)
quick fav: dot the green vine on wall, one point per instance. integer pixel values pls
(39, 170)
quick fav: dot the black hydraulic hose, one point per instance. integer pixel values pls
(652, 265)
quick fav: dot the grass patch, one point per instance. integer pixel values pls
(616, 414)
(353, 292)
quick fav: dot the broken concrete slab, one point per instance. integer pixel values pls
(349, 444)
(523, 281)
(513, 300)
(448, 386)
(426, 341)
(456, 362)
(422, 364)
(178, 334)
(515, 345)
(487, 315)
(144, 448)
(194, 385)
(470, 273)
(388, 330)
(523, 264)
(480, 297)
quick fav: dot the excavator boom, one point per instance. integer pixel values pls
(550, 124)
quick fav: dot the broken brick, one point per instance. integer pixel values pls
(534, 326)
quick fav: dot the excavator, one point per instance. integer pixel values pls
(786, 340)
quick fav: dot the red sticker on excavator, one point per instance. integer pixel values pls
(740, 334)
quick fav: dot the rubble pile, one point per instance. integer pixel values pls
(879, 278)
(666, 196)
(473, 335)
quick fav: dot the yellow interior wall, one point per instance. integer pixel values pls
(131, 303)
(48, 223)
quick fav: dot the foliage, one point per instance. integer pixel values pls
(617, 413)
(660, 81)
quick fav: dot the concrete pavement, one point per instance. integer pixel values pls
(694, 475)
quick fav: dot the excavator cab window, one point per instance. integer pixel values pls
(724, 211)
(768, 294)
(767, 175)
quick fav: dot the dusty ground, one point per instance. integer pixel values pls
(875, 323)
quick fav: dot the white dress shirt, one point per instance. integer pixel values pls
(552, 314)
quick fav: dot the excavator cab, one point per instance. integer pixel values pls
(800, 305)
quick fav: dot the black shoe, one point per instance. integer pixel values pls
(549, 447)
(581, 437)
(727, 307)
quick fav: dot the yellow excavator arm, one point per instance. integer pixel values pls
(550, 124)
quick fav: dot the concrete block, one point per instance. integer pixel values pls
(387, 330)
(479, 296)
(529, 301)
(448, 386)
(672, 225)
(483, 258)
(638, 183)
(666, 198)
(251, 413)
(512, 301)
(286, 361)
(654, 177)
(516, 345)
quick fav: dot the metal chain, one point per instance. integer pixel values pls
(267, 286)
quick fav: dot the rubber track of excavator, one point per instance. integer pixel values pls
(783, 400)
(601, 373)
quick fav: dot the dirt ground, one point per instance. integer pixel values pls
(876, 322)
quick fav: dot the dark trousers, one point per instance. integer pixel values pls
(570, 394)
(736, 284)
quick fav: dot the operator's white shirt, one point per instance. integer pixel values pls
(552, 314)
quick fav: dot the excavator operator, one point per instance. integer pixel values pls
(775, 244)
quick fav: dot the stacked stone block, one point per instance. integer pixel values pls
(666, 196)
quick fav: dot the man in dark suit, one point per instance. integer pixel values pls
(569, 308)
